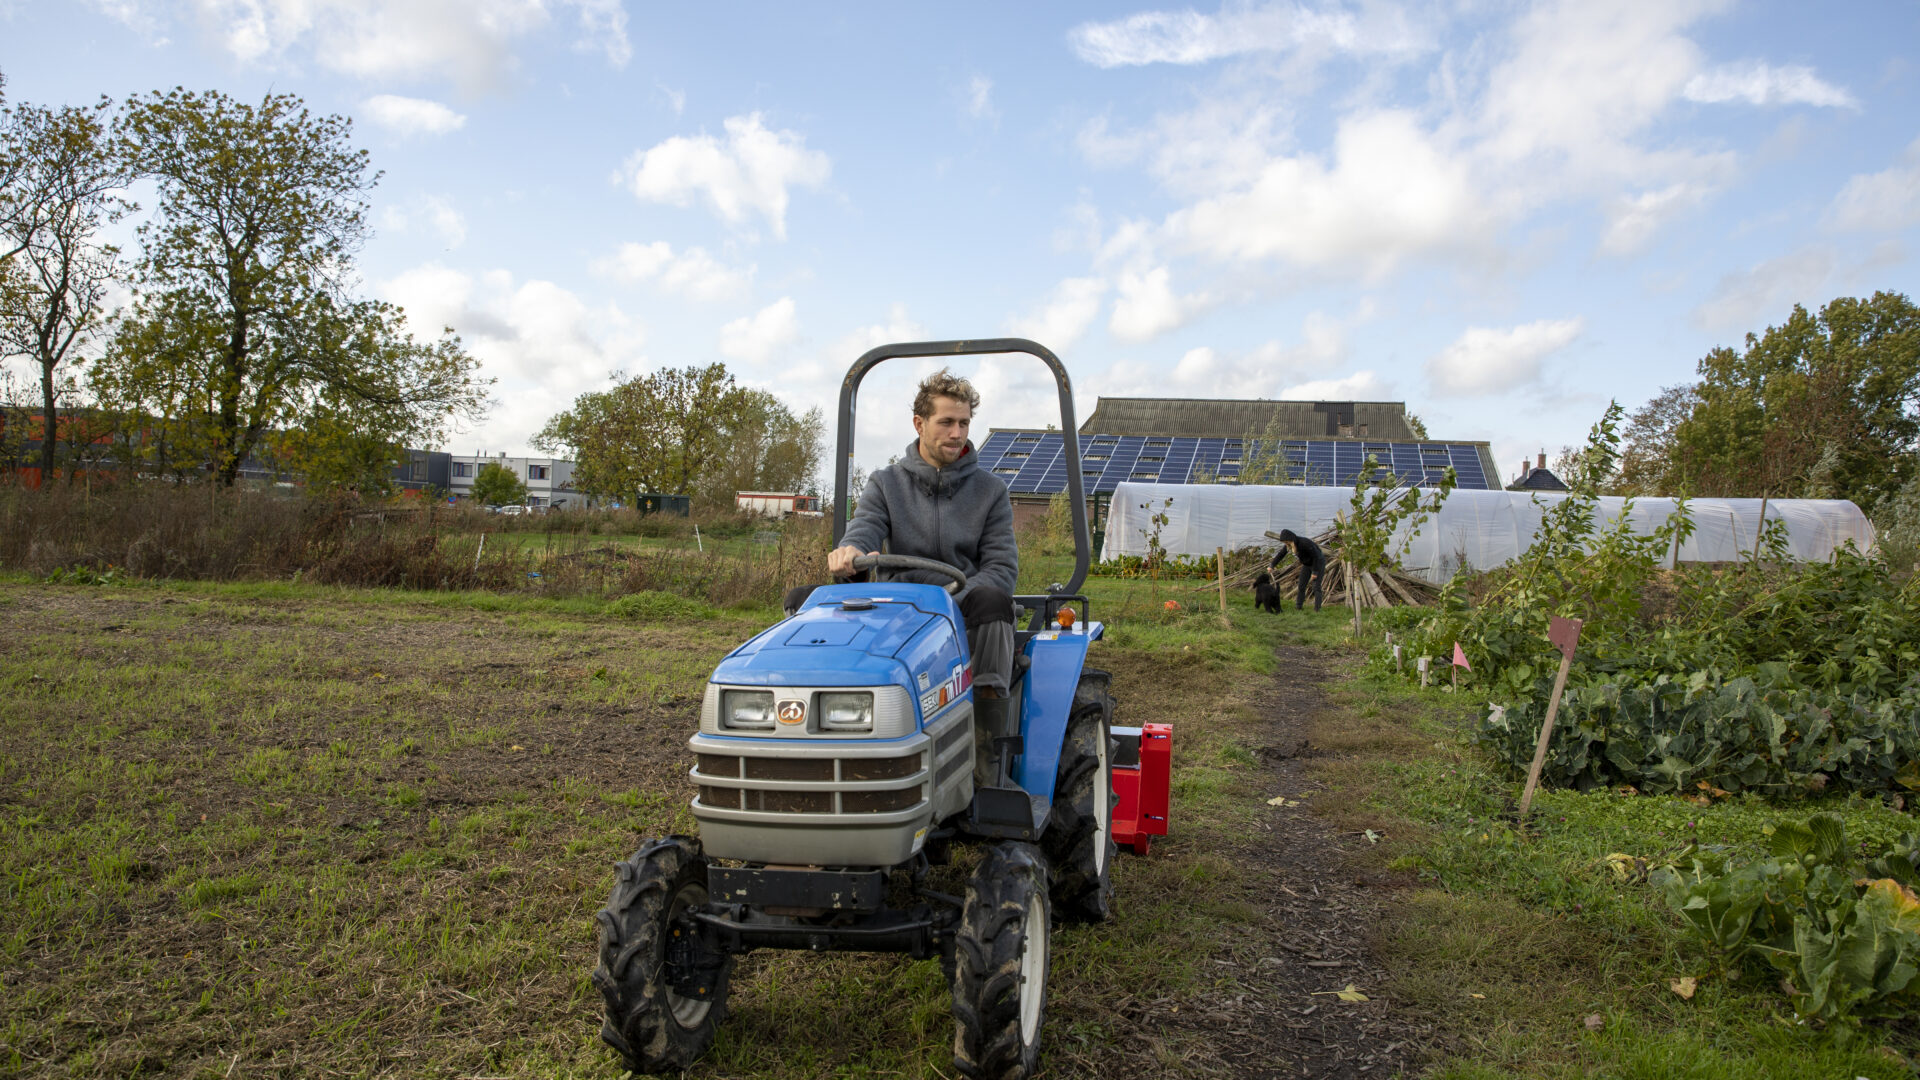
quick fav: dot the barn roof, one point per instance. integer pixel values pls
(1233, 419)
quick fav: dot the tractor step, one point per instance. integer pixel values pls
(1005, 813)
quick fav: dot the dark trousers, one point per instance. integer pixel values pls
(1317, 572)
(987, 614)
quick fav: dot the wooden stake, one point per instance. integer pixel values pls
(1761, 532)
(1220, 568)
(1396, 658)
(1565, 634)
(1423, 672)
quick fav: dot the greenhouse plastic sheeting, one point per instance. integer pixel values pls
(1476, 528)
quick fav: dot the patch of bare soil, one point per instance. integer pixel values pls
(1322, 904)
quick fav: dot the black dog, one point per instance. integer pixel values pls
(1265, 596)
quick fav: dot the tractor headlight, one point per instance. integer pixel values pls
(846, 712)
(747, 710)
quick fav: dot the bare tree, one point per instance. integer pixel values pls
(62, 183)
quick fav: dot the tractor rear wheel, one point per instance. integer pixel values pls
(1079, 837)
(655, 1028)
(1000, 965)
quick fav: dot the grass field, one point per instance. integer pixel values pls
(285, 830)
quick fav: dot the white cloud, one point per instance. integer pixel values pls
(544, 344)
(1634, 219)
(1359, 386)
(437, 214)
(603, 29)
(447, 221)
(411, 116)
(1271, 370)
(135, 15)
(1188, 37)
(1759, 84)
(1064, 316)
(468, 42)
(979, 98)
(692, 273)
(1146, 306)
(1746, 299)
(749, 172)
(1582, 82)
(1880, 202)
(1561, 106)
(755, 338)
(1489, 361)
(1389, 192)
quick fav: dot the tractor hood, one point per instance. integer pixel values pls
(845, 635)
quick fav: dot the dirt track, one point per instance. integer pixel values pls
(1320, 914)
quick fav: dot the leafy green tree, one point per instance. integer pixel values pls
(244, 321)
(59, 181)
(765, 447)
(1647, 461)
(685, 431)
(1847, 379)
(496, 485)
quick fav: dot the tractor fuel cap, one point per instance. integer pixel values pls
(856, 603)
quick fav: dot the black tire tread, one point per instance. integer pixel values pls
(639, 1020)
(1082, 893)
(987, 949)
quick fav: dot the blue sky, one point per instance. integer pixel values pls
(1503, 214)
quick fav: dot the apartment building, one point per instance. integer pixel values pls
(549, 480)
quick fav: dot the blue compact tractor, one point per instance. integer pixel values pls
(836, 764)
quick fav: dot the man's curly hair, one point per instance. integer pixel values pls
(944, 383)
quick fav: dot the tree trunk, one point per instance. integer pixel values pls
(49, 430)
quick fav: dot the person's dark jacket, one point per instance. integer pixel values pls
(1312, 559)
(959, 515)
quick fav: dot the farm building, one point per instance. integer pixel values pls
(1216, 441)
(777, 504)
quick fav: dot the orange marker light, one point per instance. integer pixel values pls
(1066, 618)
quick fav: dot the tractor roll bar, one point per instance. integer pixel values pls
(850, 389)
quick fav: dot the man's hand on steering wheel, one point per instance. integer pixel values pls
(840, 561)
(847, 561)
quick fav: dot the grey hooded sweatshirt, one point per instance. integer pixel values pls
(959, 515)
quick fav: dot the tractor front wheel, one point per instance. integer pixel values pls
(1079, 838)
(1000, 965)
(654, 1027)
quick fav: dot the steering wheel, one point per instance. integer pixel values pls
(888, 561)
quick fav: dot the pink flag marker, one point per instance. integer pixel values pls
(1460, 657)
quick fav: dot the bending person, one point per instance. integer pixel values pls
(1313, 563)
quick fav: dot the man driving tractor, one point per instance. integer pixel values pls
(937, 503)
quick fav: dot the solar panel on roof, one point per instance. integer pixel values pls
(1036, 463)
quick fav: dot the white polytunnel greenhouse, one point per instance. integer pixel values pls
(1483, 528)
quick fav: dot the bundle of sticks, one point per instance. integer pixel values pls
(1374, 589)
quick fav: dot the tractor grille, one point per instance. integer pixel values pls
(824, 779)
